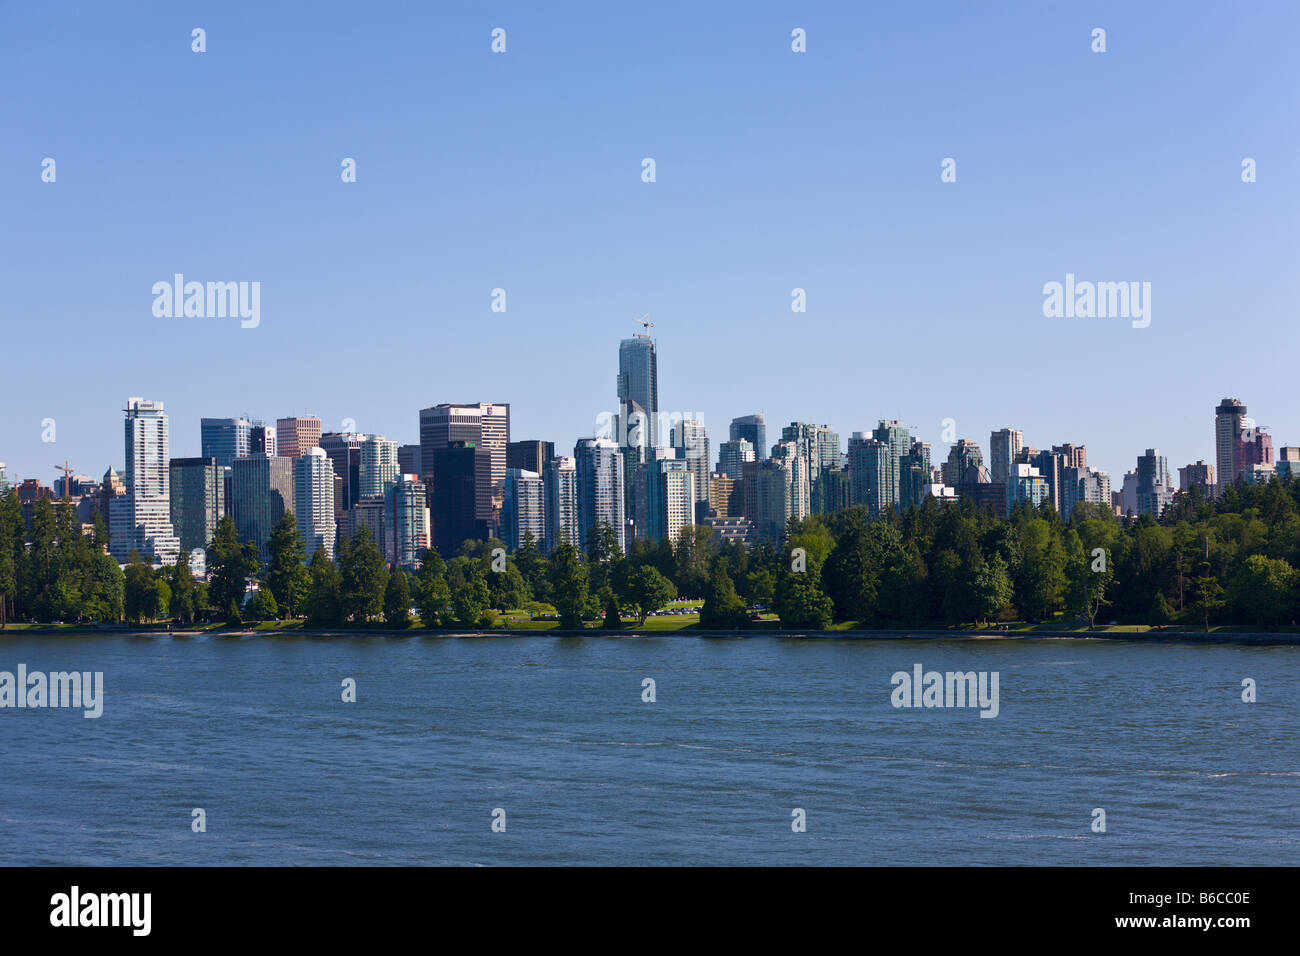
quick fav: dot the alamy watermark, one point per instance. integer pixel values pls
(922, 688)
(1098, 300)
(210, 300)
(36, 689)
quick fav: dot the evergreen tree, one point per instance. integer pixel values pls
(286, 572)
(397, 600)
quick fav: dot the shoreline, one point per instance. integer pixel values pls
(1258, 638)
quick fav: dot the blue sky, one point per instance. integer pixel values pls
(775, 170)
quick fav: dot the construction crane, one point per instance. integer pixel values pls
(645, 323)
(67, 479)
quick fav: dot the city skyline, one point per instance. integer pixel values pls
(776, 171)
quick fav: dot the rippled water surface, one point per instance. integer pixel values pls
(554, 732)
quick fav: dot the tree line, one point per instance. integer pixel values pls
(1226, 561)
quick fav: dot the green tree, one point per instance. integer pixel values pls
(324, 606)
(648, 590)
(286, 572)
(1161, 614)
(610, 601)
(800, 601)
(139, 598)
(230, 564)
(262, 606)
(397, 600)
(1264, 590)
(992, 589)
(470, 599)
(432, 591)
(722, 606)
(364, 576)
(1207, 594)
(568, 579)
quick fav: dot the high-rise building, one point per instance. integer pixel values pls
(1199, 473)
(262, 491)
(724, 496)
(408, 459)
(344, 452)
(873, 473)
(961, 457)
(458, 469)
(523, 510)
(1024, 483)
(1081, 483)
(147, 525)
(819, 446)
(313, 481)
(4, 479)
(224, 439)
(638, 394)
(600, 488)
(560, 484)
(379, 467)
(485, 426)
(752, 428)
(691, 439)
(732, 456)
(529, 455)
(262, 440)
(1154, 488)
(668, 504)
(1050, 465)
(294, 436)
(1004, 445)
(407, 504)
(198, 500)
(781, 491)
(1230, 421)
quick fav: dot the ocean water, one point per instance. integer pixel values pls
(743, 731)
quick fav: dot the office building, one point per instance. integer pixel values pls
(224, 439)
(145, 523)
(560, 485)
(313, 479)
(529, 455)
(408, 508)
(486, 427)
(523, 509)
(379, 467)
(1004, 445)
(459, 469)
(198, 500)
(732, 456)
(753, 429)
(600, 488)
(691, 439)
(1198, 473)
(261, 491)
(295, 436)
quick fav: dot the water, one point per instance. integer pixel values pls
(554, 731)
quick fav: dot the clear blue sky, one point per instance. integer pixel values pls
(775, 170)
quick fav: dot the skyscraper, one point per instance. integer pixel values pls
(753, 429)
(147, 525)
(458, 469)
(523, 511)
(600, 488)
(1230, 421)
(732, 456)
(379, 468)
(198, 500)
(408, 507)
(224, 439)
(873, 473)
(529, 455)
(313, 480)
(1004, 446)
(1154, 487)
(560, 484)
(638, 393)
(262, 491)
(669, 499)
(344, 451)
(691, 439)
(1199, 473)
(293, 436)
(486, 426)
(262, 440)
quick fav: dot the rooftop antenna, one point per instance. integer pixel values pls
(645, 322)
